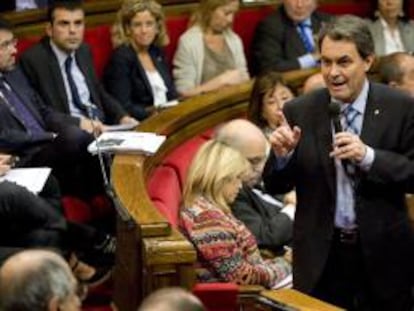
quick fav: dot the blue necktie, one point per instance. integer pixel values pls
(73, 88)
(305, 38)
(350, 114)
(18, 107)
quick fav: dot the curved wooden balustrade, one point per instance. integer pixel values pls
(152, 254)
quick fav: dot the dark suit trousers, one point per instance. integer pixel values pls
(77, 171)
(344, 282)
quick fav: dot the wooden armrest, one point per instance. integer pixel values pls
(298, 300)
(250, 289)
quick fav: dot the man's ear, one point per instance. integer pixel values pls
(53, 304)
(369, 61)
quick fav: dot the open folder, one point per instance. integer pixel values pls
(127, 142)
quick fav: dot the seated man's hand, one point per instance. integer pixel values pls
(5, 163)
(90, 126)
(128, 120)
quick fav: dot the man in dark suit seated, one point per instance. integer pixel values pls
(39, 135)
(268, 219)
(28, 220)
(60, 68)
(284, 40)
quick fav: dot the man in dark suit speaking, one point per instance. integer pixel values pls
(349, 150)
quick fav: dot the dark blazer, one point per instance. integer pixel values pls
(271, 228)
(10, 5)
(42, 68)
(386, 237)
(276, 43)
(14, 137)
(125, 78)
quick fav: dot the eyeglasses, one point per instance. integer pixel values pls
(8, 44)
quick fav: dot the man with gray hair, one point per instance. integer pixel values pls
(38, 280)
(267, 218)
(349, 151)
(397, 70)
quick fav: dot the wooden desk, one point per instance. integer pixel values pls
(298, 300)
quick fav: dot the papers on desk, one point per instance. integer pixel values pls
(127, 142)
(168, 104)
(121, 127)
(33, 178)
(287, 282)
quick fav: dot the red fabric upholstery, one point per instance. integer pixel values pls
(217, 296)
(176, 25)
(76, 210)
(165, 192)
(99, 39)
(180, 158)
(252, 17)
(361, 8)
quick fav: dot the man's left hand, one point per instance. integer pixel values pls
(348, 146)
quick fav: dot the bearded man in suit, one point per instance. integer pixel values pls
(352, 241)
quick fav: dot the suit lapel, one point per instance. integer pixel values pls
(57, 76)
(324, 140)
(20, 92)
(374, 111)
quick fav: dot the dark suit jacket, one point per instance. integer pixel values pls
(271, 228)
(10, 5)
(126, 80)
(276, 43)
(42, 68)
(386, 237)
(14, 138)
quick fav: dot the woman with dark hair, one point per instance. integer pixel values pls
(137, 73)
(268, 96)
(391, 29)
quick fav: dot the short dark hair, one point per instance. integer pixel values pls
(390, 69)
(67, 5)
(352, 29)
(5, 25)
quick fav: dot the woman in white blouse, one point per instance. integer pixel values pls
(392, 31)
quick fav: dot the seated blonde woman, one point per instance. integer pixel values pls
(227, 250)
(209, 54)
(269, 94)
(137, 74)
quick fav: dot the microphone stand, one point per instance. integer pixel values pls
(109, 189)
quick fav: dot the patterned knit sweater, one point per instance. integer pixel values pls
(227, 250)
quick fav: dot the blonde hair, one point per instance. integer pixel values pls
(204, 11)
(213, 166)
(131, 7)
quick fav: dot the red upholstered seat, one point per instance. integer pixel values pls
(181, 157)
(217, 296)
(165, 191)
(176, 25)
(99, 40)
(76, 209)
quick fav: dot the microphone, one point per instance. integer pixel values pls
(109, 189)
(335, 112)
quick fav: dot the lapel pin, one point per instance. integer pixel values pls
(376, 112)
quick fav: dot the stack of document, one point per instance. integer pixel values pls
(127, 142)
